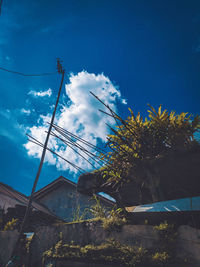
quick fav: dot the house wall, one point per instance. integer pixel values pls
(64, 202)
(7, 202)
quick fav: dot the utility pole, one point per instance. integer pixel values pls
(28, 209)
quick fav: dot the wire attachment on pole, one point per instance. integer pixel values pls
(28, 208)
(59, 66)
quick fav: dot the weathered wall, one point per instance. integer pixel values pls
(7, 242)
(89, 233)
(64, 200)
(58, 263)
(187, 244)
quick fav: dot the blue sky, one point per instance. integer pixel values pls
(139, 51)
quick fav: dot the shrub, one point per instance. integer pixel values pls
(79, 215)
(11, 225)
(137, 140)
(160, 258)
(109, 252)
(114, 221)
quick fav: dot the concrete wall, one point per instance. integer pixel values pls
(91, 233)
(187, 244)
(7, 242)
(58, 263)
(64, 200)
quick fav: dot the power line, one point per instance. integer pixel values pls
(69, 145)
(35, 141)
(85, 151)
(25, 74)
(100, 150)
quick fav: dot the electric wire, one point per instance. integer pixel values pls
(80, 139)
(78, 145)
(53, 134)
(87, 152)
(35, 141)
(25, 74)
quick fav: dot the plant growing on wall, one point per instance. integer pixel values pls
(151, 159)
(138, 147)
(138, 140)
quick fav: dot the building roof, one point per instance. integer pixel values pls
(7, 192)
(57, 183)
(175, 205)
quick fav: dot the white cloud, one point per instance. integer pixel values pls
(124, 101)
(25, 111)
(80, 116)
(40, 93)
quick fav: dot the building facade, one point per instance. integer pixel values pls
(63, 200)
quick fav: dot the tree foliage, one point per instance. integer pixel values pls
(137, 140)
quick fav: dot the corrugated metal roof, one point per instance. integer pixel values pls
(182, 204)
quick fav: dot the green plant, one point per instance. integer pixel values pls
(11, 225)
(160, 258)
(168, 235)
(137, 140)
(164, 226)
(109, 252)
(114, 221)
(97, 210)
(79, 215)
(166, 231)
(111, 219)
(28, 243)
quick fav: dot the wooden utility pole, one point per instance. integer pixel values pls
(28, 209)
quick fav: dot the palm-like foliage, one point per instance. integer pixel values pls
(138, 140)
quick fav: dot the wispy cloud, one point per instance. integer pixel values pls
(25, 111)
(80, 116)
(40, 93)
(11, 129)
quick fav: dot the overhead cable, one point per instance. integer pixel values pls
(35, 141)
(25, 74)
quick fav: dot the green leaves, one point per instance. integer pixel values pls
(137, 140)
